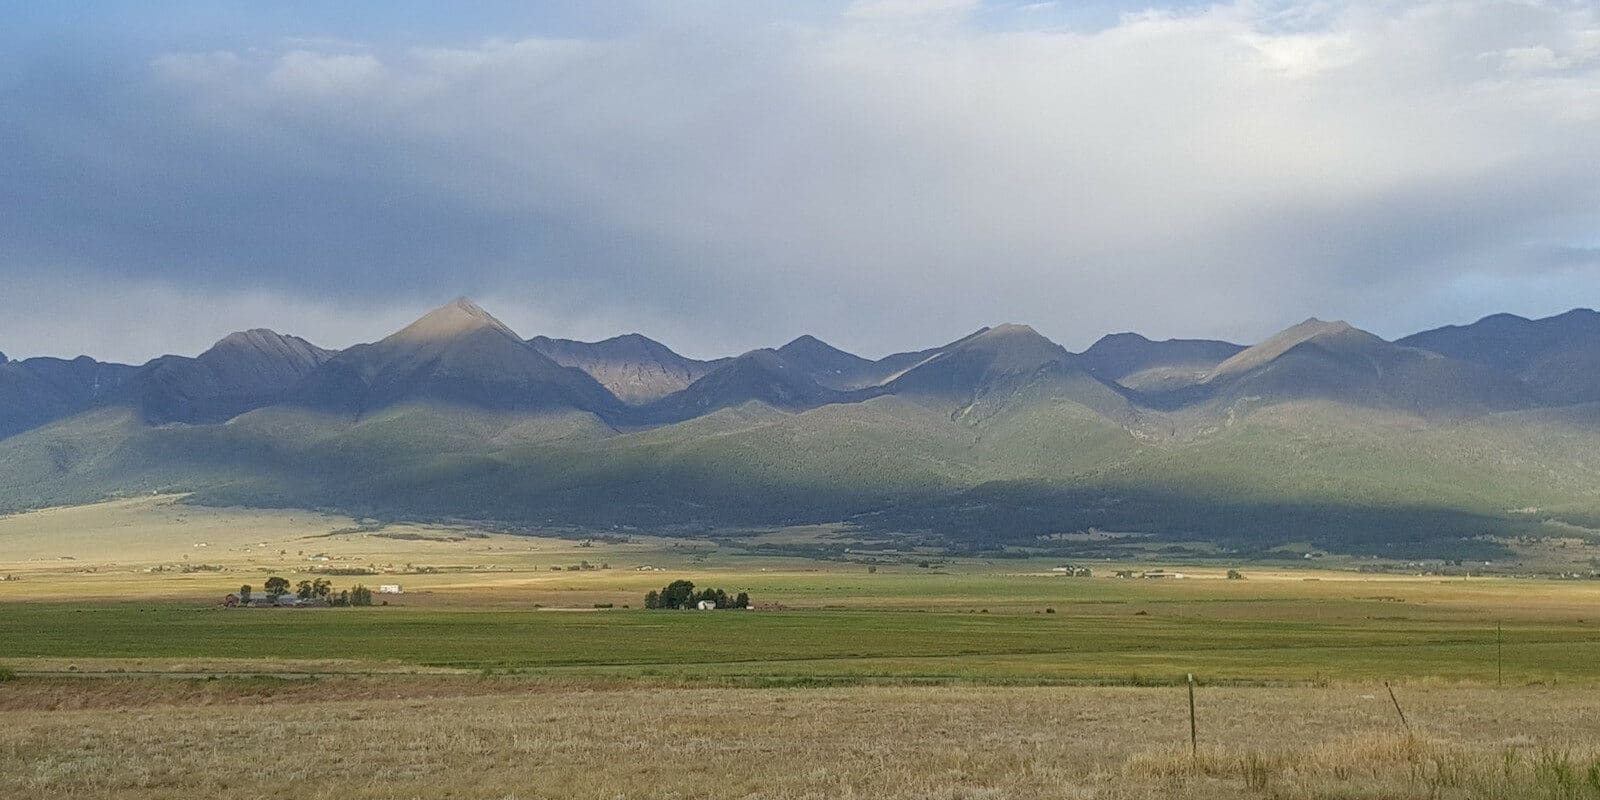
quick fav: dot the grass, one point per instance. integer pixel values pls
(86, 592)
(831, 646)
(360, 739)
(495, 677)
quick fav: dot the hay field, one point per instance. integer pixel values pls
(505, 738)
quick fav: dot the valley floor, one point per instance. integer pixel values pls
(506, 738)
(496, 676)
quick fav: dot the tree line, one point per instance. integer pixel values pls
(681, 594)
(319, 589)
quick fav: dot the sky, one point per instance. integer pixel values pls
(728, 174)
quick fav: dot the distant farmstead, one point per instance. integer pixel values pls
(390, 588)
(233, 600)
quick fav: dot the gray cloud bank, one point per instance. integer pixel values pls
(893, 177)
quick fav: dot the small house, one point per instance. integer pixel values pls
(706, 605)
(390, 588)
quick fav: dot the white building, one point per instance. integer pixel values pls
(390, 588)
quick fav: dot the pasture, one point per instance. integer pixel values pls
(963, 678)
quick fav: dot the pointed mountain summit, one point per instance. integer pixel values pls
(1558, 356)
(761, 376)
(244, 371)
(1005, 365)
(993, 354)
(635, 368)
(456, 354)
(1336, 362)
(457, 318)
(1140, 363)
(1337, 336)
(828, 365)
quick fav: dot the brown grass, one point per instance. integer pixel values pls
(432, 736)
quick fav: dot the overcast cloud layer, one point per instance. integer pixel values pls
(887, 175)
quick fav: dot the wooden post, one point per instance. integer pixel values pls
(1194, 739)
(1397, 710)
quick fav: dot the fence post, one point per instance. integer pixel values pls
(1194, 739)
(1397, 710)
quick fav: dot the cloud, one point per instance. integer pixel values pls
(910, 9)
(890, 177)
(301, 71)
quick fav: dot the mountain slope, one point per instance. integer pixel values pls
(828, 365)
(1335, 362)
(1006, 365)
(635, 368)
(244, 371)
(1139, 363)
(458, 354)
(1558, 356)
(38, 391)
(760, 376)
(1323, 434)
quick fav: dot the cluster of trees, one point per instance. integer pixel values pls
(319, 589)
(681, 594)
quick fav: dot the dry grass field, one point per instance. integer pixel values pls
(506, 738)
(495, 676)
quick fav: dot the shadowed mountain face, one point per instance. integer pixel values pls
(1141, 364)
(1321, 432)
(1559, 357)
(1335, 362)
(38, 391)
(1004, 366)
(761, 376)
(244, 371)
(457, 354)
(635, 368)
(828, 365)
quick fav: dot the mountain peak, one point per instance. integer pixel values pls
(826, 364)
(1011, 329)
(1318, 327)
(807, 345)
(455, 318)
(1018, 341)
(1125, 338)
(263, 344)
(1338, 334)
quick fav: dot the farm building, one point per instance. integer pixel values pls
(390, 588)
(706, 605)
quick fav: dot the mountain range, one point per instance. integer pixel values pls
(1448, 441)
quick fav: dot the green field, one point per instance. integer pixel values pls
(796, 646)
(134, 584)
